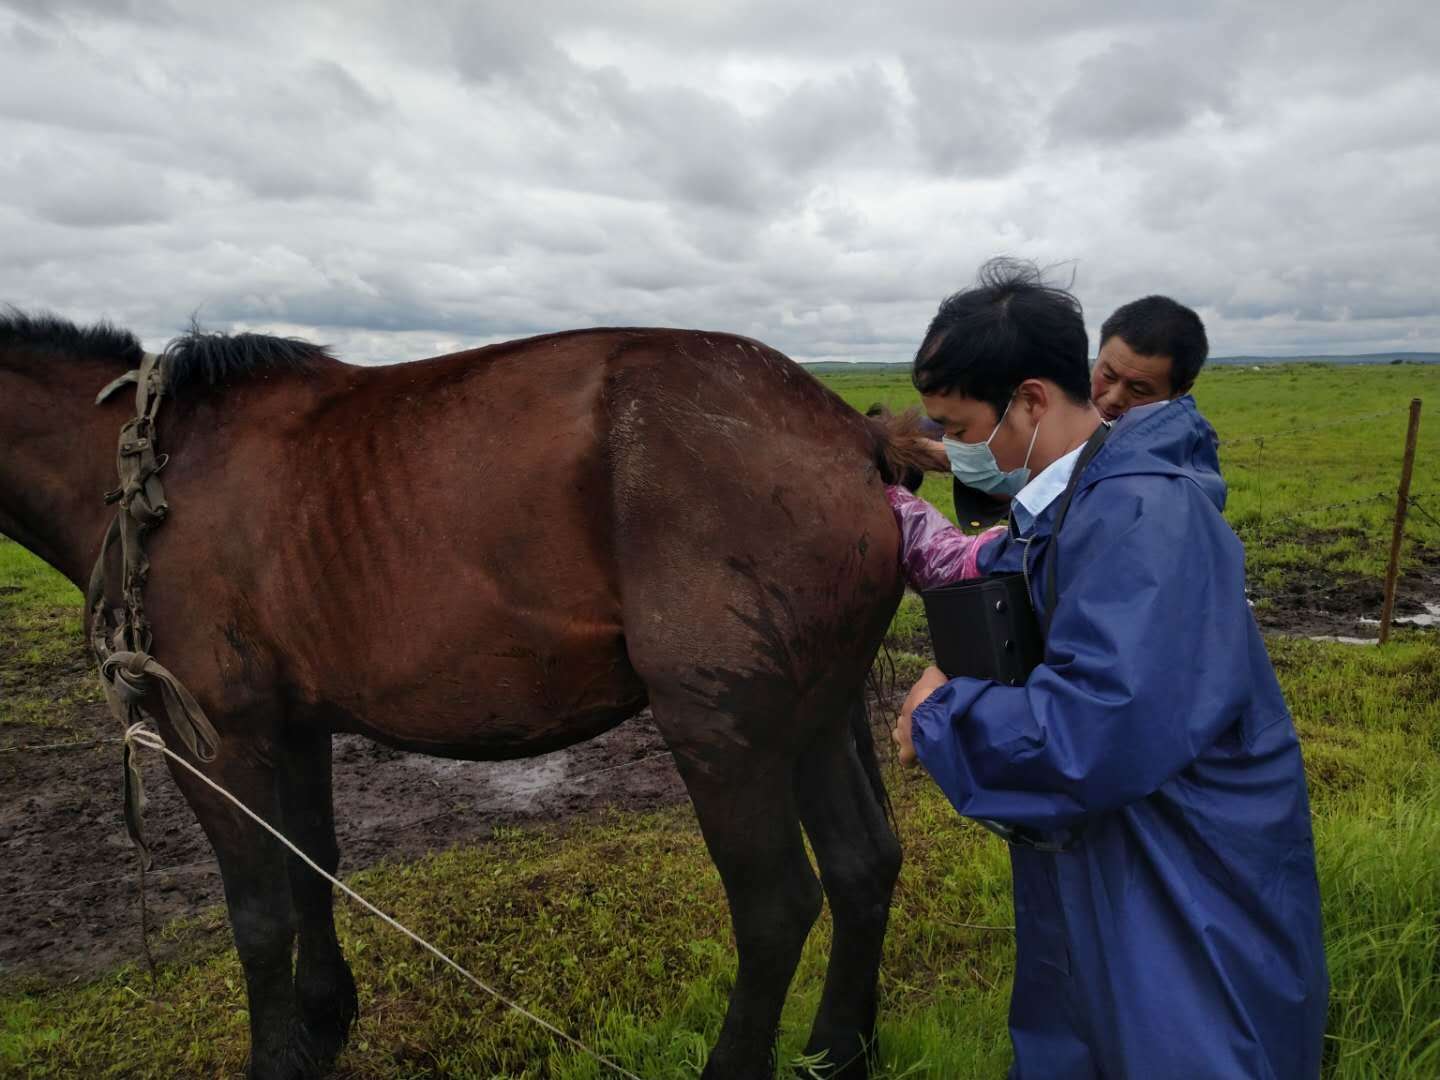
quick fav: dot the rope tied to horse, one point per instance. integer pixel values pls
(120, 636)
(139, 735)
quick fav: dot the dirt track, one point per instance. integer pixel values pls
(68, 899)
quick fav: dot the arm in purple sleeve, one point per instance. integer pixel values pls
(932, 550)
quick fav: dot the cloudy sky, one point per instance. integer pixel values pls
(406, 178)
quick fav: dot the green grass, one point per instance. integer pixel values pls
(1291, 443)
(617, 930)
(44, 674)
(26, 583)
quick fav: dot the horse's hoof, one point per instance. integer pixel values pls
(327, 1012)
(309, 1054)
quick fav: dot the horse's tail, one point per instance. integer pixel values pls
(902, 450)
(902, 453)
(864, 736)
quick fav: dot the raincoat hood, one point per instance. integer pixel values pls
(1167, 438)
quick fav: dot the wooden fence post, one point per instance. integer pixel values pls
(1402, 503)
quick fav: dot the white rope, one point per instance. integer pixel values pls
(79, 743)
(140, 735)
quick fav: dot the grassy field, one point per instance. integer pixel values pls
(44, 668)
(617, 931)
(1294, 438)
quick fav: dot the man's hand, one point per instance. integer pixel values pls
(927, 684)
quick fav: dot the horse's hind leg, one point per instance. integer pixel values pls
(859, 861)
(746, 806)
(324, 987)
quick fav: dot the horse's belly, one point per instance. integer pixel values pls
(487, 696)
(497, 737)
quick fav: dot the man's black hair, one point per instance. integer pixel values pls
(1158, 326)
(1011, 326)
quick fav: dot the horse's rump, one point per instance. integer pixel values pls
(757, 553)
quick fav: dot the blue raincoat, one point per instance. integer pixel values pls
(1178, 936)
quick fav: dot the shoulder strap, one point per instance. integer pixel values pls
(1087, 455)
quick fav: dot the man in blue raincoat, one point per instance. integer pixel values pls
(1166, 903)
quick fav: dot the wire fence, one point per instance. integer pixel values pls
(1331, 582)
(1418, 506)
(1281, 433)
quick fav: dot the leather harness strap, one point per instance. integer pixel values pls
(120, 637)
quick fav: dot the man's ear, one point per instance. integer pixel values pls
(1034, 395)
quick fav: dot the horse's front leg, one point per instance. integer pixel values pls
(324, 987)
(257, 889)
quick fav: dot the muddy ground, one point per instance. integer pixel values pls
(68, 896)
(1313, 601)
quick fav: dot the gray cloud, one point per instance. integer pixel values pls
(823, 122)
(402, 179)
(969, 120)
(1137, 90)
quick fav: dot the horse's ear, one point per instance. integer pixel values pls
(902, 449)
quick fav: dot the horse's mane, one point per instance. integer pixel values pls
(48, 331)
(200, 359)
(195, 360)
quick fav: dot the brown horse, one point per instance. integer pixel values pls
(489, 555)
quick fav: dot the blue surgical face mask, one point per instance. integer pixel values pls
(974, 464)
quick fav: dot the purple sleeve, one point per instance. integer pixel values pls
(932, 550)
